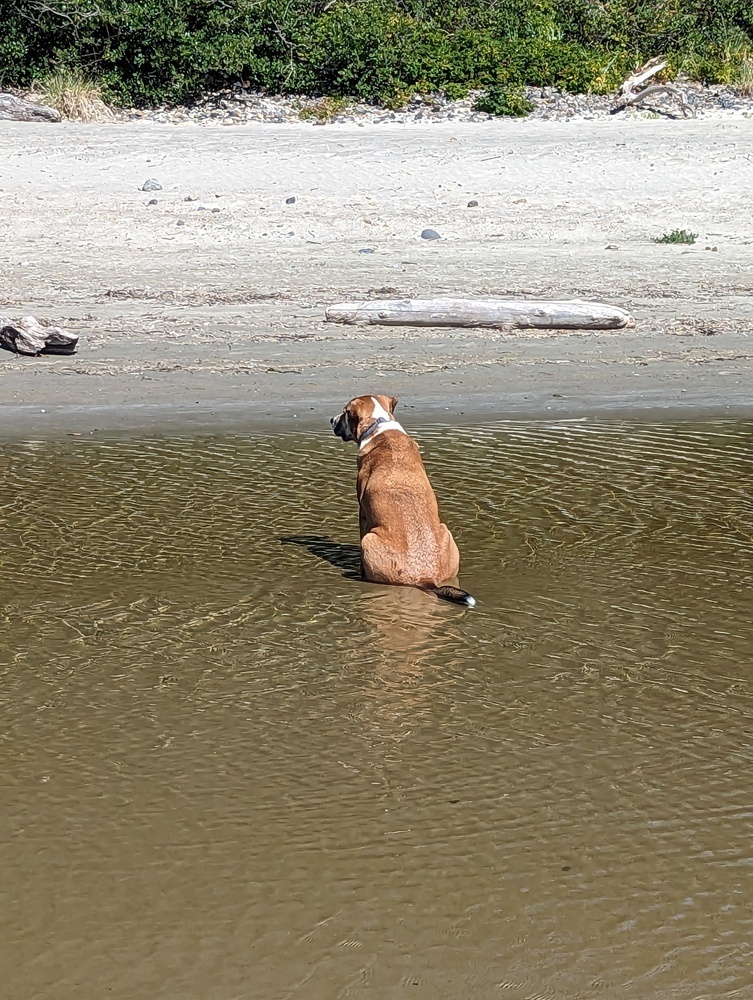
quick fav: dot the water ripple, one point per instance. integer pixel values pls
(233, 769)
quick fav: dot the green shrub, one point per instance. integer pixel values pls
(682, 236)
(455, 91)
(502, 99)
(149, 51)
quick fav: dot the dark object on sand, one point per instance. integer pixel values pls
(29, 336)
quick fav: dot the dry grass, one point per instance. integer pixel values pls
(324, 108)
(73, 94)
(744, 79)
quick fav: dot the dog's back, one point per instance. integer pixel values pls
(403, 540)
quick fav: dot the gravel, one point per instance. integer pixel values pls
(238, 106)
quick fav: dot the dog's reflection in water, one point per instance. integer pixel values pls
(397, 658)
(410, 630)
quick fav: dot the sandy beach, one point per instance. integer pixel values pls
(207, 305)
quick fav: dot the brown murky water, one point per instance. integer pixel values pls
(232, 771)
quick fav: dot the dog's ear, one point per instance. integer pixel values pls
(393, 403)
(351, 415)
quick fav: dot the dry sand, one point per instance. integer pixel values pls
(213, 309)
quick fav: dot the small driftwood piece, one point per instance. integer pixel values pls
(522, 314)
(14, 109)
(29, 336)
(627, 95)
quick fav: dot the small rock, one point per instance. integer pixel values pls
(611, 246)
(215, 210)
(366, 250)
(290, 201)
(430, 234)
(191, 197)
(180, 222)
(151, 185)
(473, 203)
(152, 201)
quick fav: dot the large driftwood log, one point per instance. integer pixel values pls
(523, 314)
(15, 109)
(29, 336)
(627, 95)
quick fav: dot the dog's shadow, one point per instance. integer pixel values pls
(343, 556)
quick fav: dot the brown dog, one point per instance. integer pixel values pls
(403, 541)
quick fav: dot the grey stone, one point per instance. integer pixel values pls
(152, 201)
(151, 185)
(180, 222)
(290, 201)
(430, 234)
(473, 203)
(366, 250)
(551, 104)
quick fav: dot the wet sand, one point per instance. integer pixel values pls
(212, 309)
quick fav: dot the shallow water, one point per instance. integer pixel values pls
(231, 770)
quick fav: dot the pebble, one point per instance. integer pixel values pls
(366, 250)
(290, 201)
(238, 106)
(430, 234)
(152, 201)
(473, 203)
(180, 222)
(191, 197)
(152, 184)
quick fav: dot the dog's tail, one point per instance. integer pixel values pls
(452, 594)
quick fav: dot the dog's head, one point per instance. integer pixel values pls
(360, 414)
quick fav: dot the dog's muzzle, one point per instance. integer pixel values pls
(340, 427)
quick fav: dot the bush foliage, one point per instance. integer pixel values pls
(154, 51)
(504, 100)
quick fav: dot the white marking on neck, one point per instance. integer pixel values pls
(390, 424)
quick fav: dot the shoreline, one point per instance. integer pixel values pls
(207, 295)
(287, 408)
